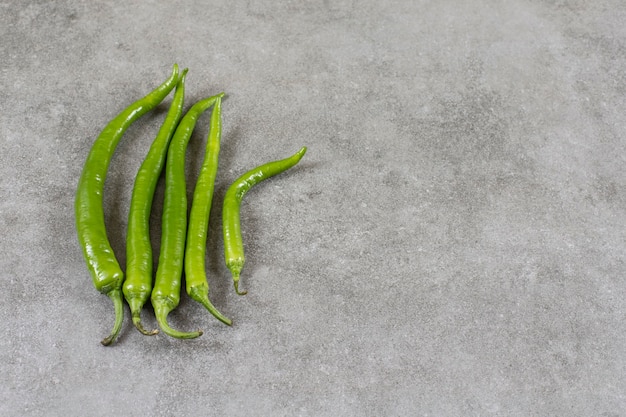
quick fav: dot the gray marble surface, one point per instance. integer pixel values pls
(452, 244)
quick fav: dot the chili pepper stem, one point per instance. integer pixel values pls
(139, 326)
(136, 305)
(162, 308)
(236, 284)
(200, 294)
(235, 266)
(116, 296)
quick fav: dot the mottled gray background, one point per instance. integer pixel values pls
(452, 244)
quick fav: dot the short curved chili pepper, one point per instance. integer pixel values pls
(138, 283)
(195, 250)
(107, 276)
(233, 242)
(166, 292)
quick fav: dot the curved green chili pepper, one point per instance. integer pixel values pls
(106, 274)
(166, 293)
(195, 250)
(233, 243)
(138, 283)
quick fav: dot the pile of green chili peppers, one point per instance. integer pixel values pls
(183, 240)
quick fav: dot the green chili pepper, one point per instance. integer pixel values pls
(106, 273)
(138, 283)
(166, 293)
(233, 243)
(195, 251)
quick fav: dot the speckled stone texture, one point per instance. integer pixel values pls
(452, 244)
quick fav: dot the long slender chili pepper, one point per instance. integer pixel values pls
(233, 243)
(138, 283)
(195, 250)
(166, 293)
(106, 274)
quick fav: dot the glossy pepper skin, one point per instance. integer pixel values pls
(138, 283)
(105, 270)
(233, 242)
(197, 285)
(165, 295)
